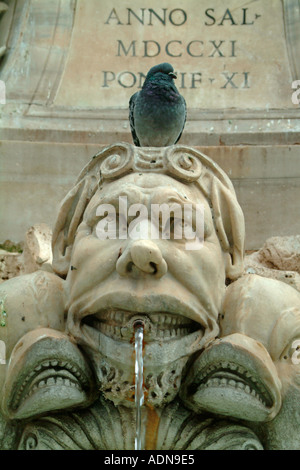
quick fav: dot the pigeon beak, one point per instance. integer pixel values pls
(173, 75)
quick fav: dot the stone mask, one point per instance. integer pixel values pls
(112, 283)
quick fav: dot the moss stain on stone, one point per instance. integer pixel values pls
(3, 314)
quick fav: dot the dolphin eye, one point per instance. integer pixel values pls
(292, 352)
(296, 352)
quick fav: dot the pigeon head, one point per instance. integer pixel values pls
(163, 70)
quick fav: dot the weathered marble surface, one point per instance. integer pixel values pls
(216, 372)
(278, 258)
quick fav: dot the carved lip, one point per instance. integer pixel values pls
(235, 377)
(158, 326)
(155, 309)
(139, 299)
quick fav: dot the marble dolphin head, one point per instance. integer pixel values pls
(254, 367)
(46, 372)
(268, 311)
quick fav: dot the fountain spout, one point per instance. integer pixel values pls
(139, 379)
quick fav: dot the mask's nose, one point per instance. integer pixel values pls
(141, 256)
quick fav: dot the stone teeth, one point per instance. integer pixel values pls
(119, 316)
(155, 329)
(215, 381)
(108, 321)
(123, 331)
(224, 366)
(113, 315)
(43, 366)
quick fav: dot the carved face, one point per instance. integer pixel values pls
(176, 292)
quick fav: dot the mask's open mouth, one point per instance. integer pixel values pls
(169, 339)
(119, 325)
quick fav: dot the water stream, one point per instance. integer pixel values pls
(139, 379)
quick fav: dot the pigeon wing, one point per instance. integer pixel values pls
(184, 105)
(132, 102)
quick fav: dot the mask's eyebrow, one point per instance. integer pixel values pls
(171, 196)
(132, 194)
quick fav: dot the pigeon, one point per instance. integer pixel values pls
(157, 113)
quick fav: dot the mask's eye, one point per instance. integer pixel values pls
(122, 225)
(106, 227)
(177, 227)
